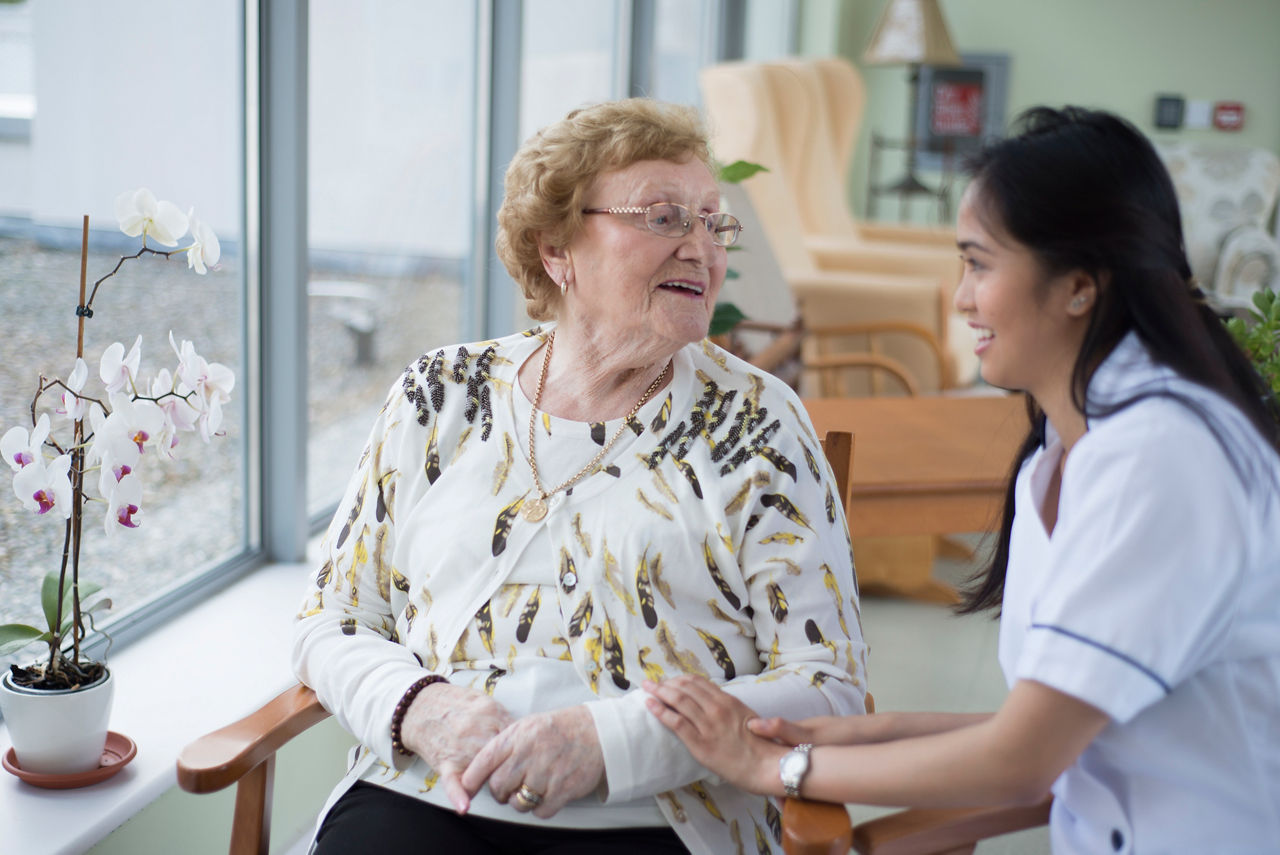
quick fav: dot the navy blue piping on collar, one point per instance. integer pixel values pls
(1105, 649)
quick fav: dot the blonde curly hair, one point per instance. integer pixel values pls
(550, 175)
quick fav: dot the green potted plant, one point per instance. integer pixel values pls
(1259, 336)
(83, 449)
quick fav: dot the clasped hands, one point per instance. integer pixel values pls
(469, 739)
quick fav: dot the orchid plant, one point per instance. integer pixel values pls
(84, 449)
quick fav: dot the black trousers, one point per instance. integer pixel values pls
(373, 819)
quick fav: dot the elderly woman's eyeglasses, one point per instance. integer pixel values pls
(674, 221)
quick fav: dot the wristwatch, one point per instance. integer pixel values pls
(792, 768)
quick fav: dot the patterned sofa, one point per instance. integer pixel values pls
(1228, 199)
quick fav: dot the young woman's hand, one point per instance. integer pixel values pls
(713, 725)
(819, 730)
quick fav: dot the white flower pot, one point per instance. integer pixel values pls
(57, 732)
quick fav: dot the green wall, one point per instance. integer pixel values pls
(307, 769)
(1111, 54)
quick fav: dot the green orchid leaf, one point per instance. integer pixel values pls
(725, 317)
(87, 590)
(49, 598)
(740, 170)
(15, 636)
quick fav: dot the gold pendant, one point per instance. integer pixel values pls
(534, 510)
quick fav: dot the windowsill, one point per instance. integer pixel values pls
(196, 673)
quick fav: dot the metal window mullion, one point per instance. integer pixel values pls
(640, 41)
(282, 179)
(729, 31)
(499, 29)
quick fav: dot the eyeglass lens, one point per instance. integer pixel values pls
(672, 220)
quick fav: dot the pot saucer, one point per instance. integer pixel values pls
(119, 750)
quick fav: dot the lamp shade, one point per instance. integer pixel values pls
(911, 31)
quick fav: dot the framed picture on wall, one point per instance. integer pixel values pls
(957, 107)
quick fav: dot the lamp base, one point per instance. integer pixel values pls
(909, 185)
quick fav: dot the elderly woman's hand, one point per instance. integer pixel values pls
(447, 726)
(714, 726)
(556, 755)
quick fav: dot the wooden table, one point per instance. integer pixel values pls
(928, 465)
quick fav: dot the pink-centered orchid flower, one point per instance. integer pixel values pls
(211, 381)
(123, 503)
(137, 422)
(205, 250)
(118, 370)
(139, 213)
(44, 488)
(20, 448)
(113, 450)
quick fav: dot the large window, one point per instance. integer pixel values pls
(563, 67)
(108, 115)
(413, 106)
(392, 122)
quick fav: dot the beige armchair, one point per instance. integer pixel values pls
(744, 126)
(819, 108)
(1228, 199)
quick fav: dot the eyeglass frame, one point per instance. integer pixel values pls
(645, 211)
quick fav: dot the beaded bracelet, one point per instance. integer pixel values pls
(397, 717)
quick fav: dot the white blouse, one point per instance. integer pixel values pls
(709, 540)
(1156, 600)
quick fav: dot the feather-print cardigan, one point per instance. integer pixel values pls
(710, 540)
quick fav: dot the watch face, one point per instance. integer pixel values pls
(794, 765)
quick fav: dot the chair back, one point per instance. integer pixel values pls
(743, 126)
(815, 168)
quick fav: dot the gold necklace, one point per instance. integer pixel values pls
(535, 509)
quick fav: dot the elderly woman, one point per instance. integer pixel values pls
(541, 523)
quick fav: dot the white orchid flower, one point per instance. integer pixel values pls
(118, 370)
(123, 503)
(134, 421)
(211, 381)
(44, 488)
(114, 450)
(205, 250)
(139, 213)
(73, 406)
(20, 448)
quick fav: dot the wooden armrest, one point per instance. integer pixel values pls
(835, 362)
(221, 758)
(915, 832)
(815, 828)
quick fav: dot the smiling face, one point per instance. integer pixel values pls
(1030, 323)
(639, 290)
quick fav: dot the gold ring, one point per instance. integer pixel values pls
(527, 798)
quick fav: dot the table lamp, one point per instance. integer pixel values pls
(911, 33)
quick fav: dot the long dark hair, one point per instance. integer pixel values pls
(1085, 190)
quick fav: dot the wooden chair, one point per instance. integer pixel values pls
(244, 752)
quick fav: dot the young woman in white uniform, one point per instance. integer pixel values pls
(1137, 571)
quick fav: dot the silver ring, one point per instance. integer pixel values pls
(527, 798)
